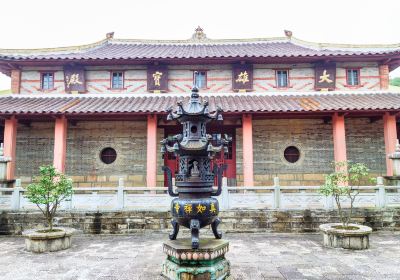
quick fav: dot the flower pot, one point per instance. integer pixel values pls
(356, 237)
(40, 241)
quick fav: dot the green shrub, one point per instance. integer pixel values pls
(395, 82)
(49, 190)
(344, 183)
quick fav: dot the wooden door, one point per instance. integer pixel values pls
(229, 158)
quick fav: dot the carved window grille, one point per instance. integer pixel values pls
(292, 154)
(108, 155)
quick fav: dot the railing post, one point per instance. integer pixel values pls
(174, 185)
(277, 193)
(120, 193)
(225, 194)
(16, 195)
(381, 192)
(329, 202)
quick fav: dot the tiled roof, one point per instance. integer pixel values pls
(194, 49)
(229, 102)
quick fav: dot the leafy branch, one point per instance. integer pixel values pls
(345, 182)
(49, 190)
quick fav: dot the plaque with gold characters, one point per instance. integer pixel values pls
(242, 77)
(157, 78)
(74, 79)
(325, 76)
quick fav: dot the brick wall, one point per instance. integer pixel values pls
(219, 78)
(35, 144)
(87, 139)
(384, 76)
(239, 156)
(15, 81)
(312, 137)
(115, 222)
(365, 143)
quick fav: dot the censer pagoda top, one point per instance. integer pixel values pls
(194, 115)
(194, 110)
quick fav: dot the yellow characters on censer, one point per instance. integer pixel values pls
(177, 207)
(199, 208)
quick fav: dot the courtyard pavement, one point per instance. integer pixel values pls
(253, 256)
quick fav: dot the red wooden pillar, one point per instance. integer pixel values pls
(248, 174)
(10, 145)
(151, 165)
(390, 136)
(60, 144)
(339, 138)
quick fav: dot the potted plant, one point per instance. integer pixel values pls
(344, 183)
(47, 192)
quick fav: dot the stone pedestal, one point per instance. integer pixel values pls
(356, 238)
(205, 263)
(38, 241)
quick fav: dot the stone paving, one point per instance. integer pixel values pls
(253, 256)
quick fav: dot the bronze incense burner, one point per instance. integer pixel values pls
(195, 206)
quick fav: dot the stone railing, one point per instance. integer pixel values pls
(157, 199)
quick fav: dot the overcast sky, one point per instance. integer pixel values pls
(51, 23)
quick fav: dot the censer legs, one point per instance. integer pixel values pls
(195, 228)
(175, 229)
(214, 227)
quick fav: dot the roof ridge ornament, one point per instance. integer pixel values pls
(288, 34)
(199, 35)
(110, 35)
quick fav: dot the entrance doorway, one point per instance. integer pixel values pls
(229, 158)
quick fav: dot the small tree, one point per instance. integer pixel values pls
(344, 182)
(395, 82)
(48, 191)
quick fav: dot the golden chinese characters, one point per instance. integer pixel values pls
(243, 77)
(177, 207)
(212, 208)
(201, 208)
(157, 76)
(325, 78)
(188, 208)
(73, 80)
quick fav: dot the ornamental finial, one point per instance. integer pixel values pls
(110, 35)
(199, 34)
(288, 33)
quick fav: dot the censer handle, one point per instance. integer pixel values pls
(167, 170)
(219, 171)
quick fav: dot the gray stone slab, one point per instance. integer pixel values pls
(252, 256)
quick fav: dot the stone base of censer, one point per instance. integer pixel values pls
(205, 263)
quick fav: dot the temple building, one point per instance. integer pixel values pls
(98, 112)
